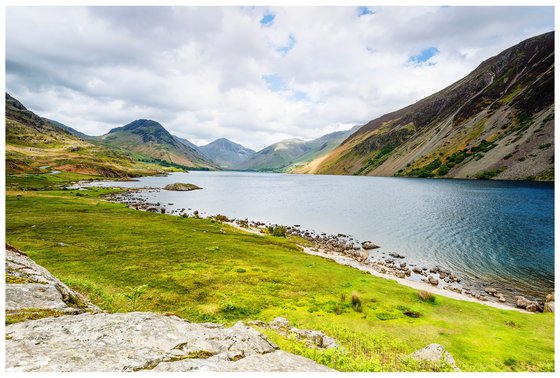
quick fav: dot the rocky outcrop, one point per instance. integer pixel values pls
(437, 355)
(30, 287)
(142, 341)
(549, 303)
(313, 338)
(75, 336)
(180, 187)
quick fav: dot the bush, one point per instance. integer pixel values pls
(279, 231)
(221, 218)
(356, 302)
(426, 296)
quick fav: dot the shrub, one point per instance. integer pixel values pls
(279, 231)
(426, 296)
(240, 270)
(356, 302)
(221, 218)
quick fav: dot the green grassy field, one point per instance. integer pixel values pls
(201, 270)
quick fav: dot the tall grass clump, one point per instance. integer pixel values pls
(426, 296)
(356, 302)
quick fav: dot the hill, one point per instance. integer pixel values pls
(289, 154)
(226, 153)
(497, 122)
(150, 138)
(39, 150)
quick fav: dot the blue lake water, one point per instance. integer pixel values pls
(501, 232)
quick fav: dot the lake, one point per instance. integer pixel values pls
(497, 232)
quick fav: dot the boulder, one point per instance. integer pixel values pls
(491, 290)
(548, 307)
(417, 270)
(533, 307)
(433, 281)
(501, 298)
(437, 355)
(550, 297)
(313, 338)
(141, 341)
(522, 302)
(369, 245)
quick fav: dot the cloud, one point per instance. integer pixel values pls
(253, 75)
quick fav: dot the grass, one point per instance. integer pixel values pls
(126, 260)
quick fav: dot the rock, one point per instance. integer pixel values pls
(417, 270)
(141, 341)
(433, 281)
(437, 355)
(490, 290)
(400, 274)
(277, 361)
(550, 297)
(181, 187)
(522, 302)
(548, 307)
(533, 307)
(312, 337)
(369, 245)
(501, 298)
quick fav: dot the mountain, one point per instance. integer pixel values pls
(498, 122)
(188, 143)
(149, 138)
(288, 154)
(69, 129)
(226, 153)
(35, 145)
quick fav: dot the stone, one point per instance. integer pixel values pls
(400, 274)
(417, 270)
(533, 307)
(437, 355)
(548, 307)
(550, 297)
(501, 298)
(369, 245)
(140, 341)
(490, 290)
(522, 302)
(433, 281)
(312, 337)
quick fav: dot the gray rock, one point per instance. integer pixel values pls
(313, 338)
(141, 341)
(548, 307)
(417, 270)
(277, 361)
(491, 290)
(522, 302)
(33, 295)
(435, 354)
(550, 297)
(433, 281)
(369, 245)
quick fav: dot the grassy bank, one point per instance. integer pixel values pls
(201, 270)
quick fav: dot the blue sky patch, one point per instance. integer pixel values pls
(364, 11)
(299, 96)
(267, 19)
(424, 56)
(274, 82)
(289, 46)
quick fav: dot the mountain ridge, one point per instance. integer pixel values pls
(469, 129)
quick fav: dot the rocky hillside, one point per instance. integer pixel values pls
(37, 145)
(149, 138)
(291, 154)
(53, 328)
(71, 130)
(497, 122)
(226, 153)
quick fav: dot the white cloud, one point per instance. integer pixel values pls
(199, 71)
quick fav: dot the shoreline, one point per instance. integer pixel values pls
(346, 251)
(341, 259)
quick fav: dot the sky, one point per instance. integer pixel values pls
(254, 75)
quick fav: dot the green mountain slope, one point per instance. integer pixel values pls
(292, 154)
(497, 122)
(36, 146)
(149, 138)
(226, 153)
